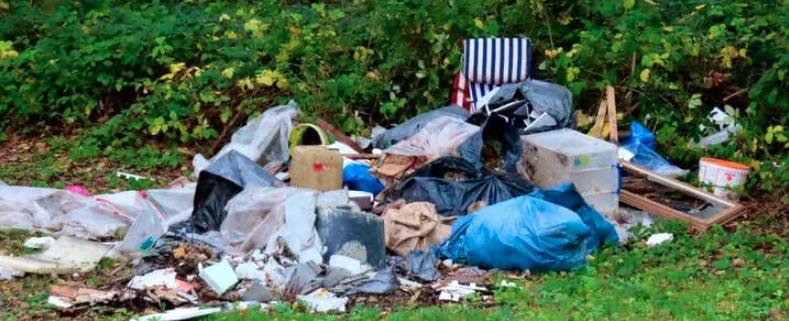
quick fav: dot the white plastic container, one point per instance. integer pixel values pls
(591, 181)
(591, 164)
(559, 156)
(605, 203)
(551, 156)
(723, 176)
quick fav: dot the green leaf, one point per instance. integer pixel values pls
(729, 110)
(226, 112)
(768, 137)
(479, 23)
(336, 14)
(228, 72)
(628, 4)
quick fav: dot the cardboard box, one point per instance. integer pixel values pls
(316, 167)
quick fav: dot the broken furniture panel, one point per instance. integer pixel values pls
(703, 211)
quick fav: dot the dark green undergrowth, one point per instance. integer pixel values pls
(122, 74)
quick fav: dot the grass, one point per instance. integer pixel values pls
(716, 275)
(57, 162)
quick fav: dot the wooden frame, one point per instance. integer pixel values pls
(732, 211)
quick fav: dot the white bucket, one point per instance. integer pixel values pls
(723, 176)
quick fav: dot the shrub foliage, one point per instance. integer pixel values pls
(122, 72)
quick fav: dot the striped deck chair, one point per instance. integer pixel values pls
(489, 63)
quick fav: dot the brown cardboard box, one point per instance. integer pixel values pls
(316, 167)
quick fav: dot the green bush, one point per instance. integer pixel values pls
(121, 73)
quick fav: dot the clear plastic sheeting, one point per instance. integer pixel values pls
(298, 231)
(412, 126)
(440, 137)
(264, 139)
(64, 213)
(254, 215)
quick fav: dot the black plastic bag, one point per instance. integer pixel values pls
(541, 97)
(413, 125)
(453, 183)
(498, 140)
(221, 181)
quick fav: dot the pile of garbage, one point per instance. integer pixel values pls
(285, 212)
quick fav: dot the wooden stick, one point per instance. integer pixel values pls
(362, 156)
(599, 120)
(735, 94)
(611, 101)
(340, 135)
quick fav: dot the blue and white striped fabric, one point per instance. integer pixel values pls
(490, 62)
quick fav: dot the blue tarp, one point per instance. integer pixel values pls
(545, 230)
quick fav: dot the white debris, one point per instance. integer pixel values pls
(324, 301)
(179, 314)
(220, 277)
(299, 232)
(59, 302)
(276, 273)
(456, 291)
(660, 238)
(342, 148)
(508, 284)
(244, 305)
(66, 254)
(126, 175)
(250, 271)
(39, 242)
(349, 264)
(408, 283)
(257, 255)
(8, 274)
(159, 278)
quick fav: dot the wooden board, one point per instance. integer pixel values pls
(610, 100)
(599, 121)
(732, 210)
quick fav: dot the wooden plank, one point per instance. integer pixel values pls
(611, 101)
(656, 208)
(732, 211)
(340, 135)
(362, 156)
(685, 188)
(599, 121)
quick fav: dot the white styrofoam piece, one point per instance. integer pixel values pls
(220, 277)
(158, 278)
(179, 314)
(659, 238)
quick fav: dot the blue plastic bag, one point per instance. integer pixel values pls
(358, 178)
(529, 233)
(641, 144)
(639, 134)
(566, 196)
